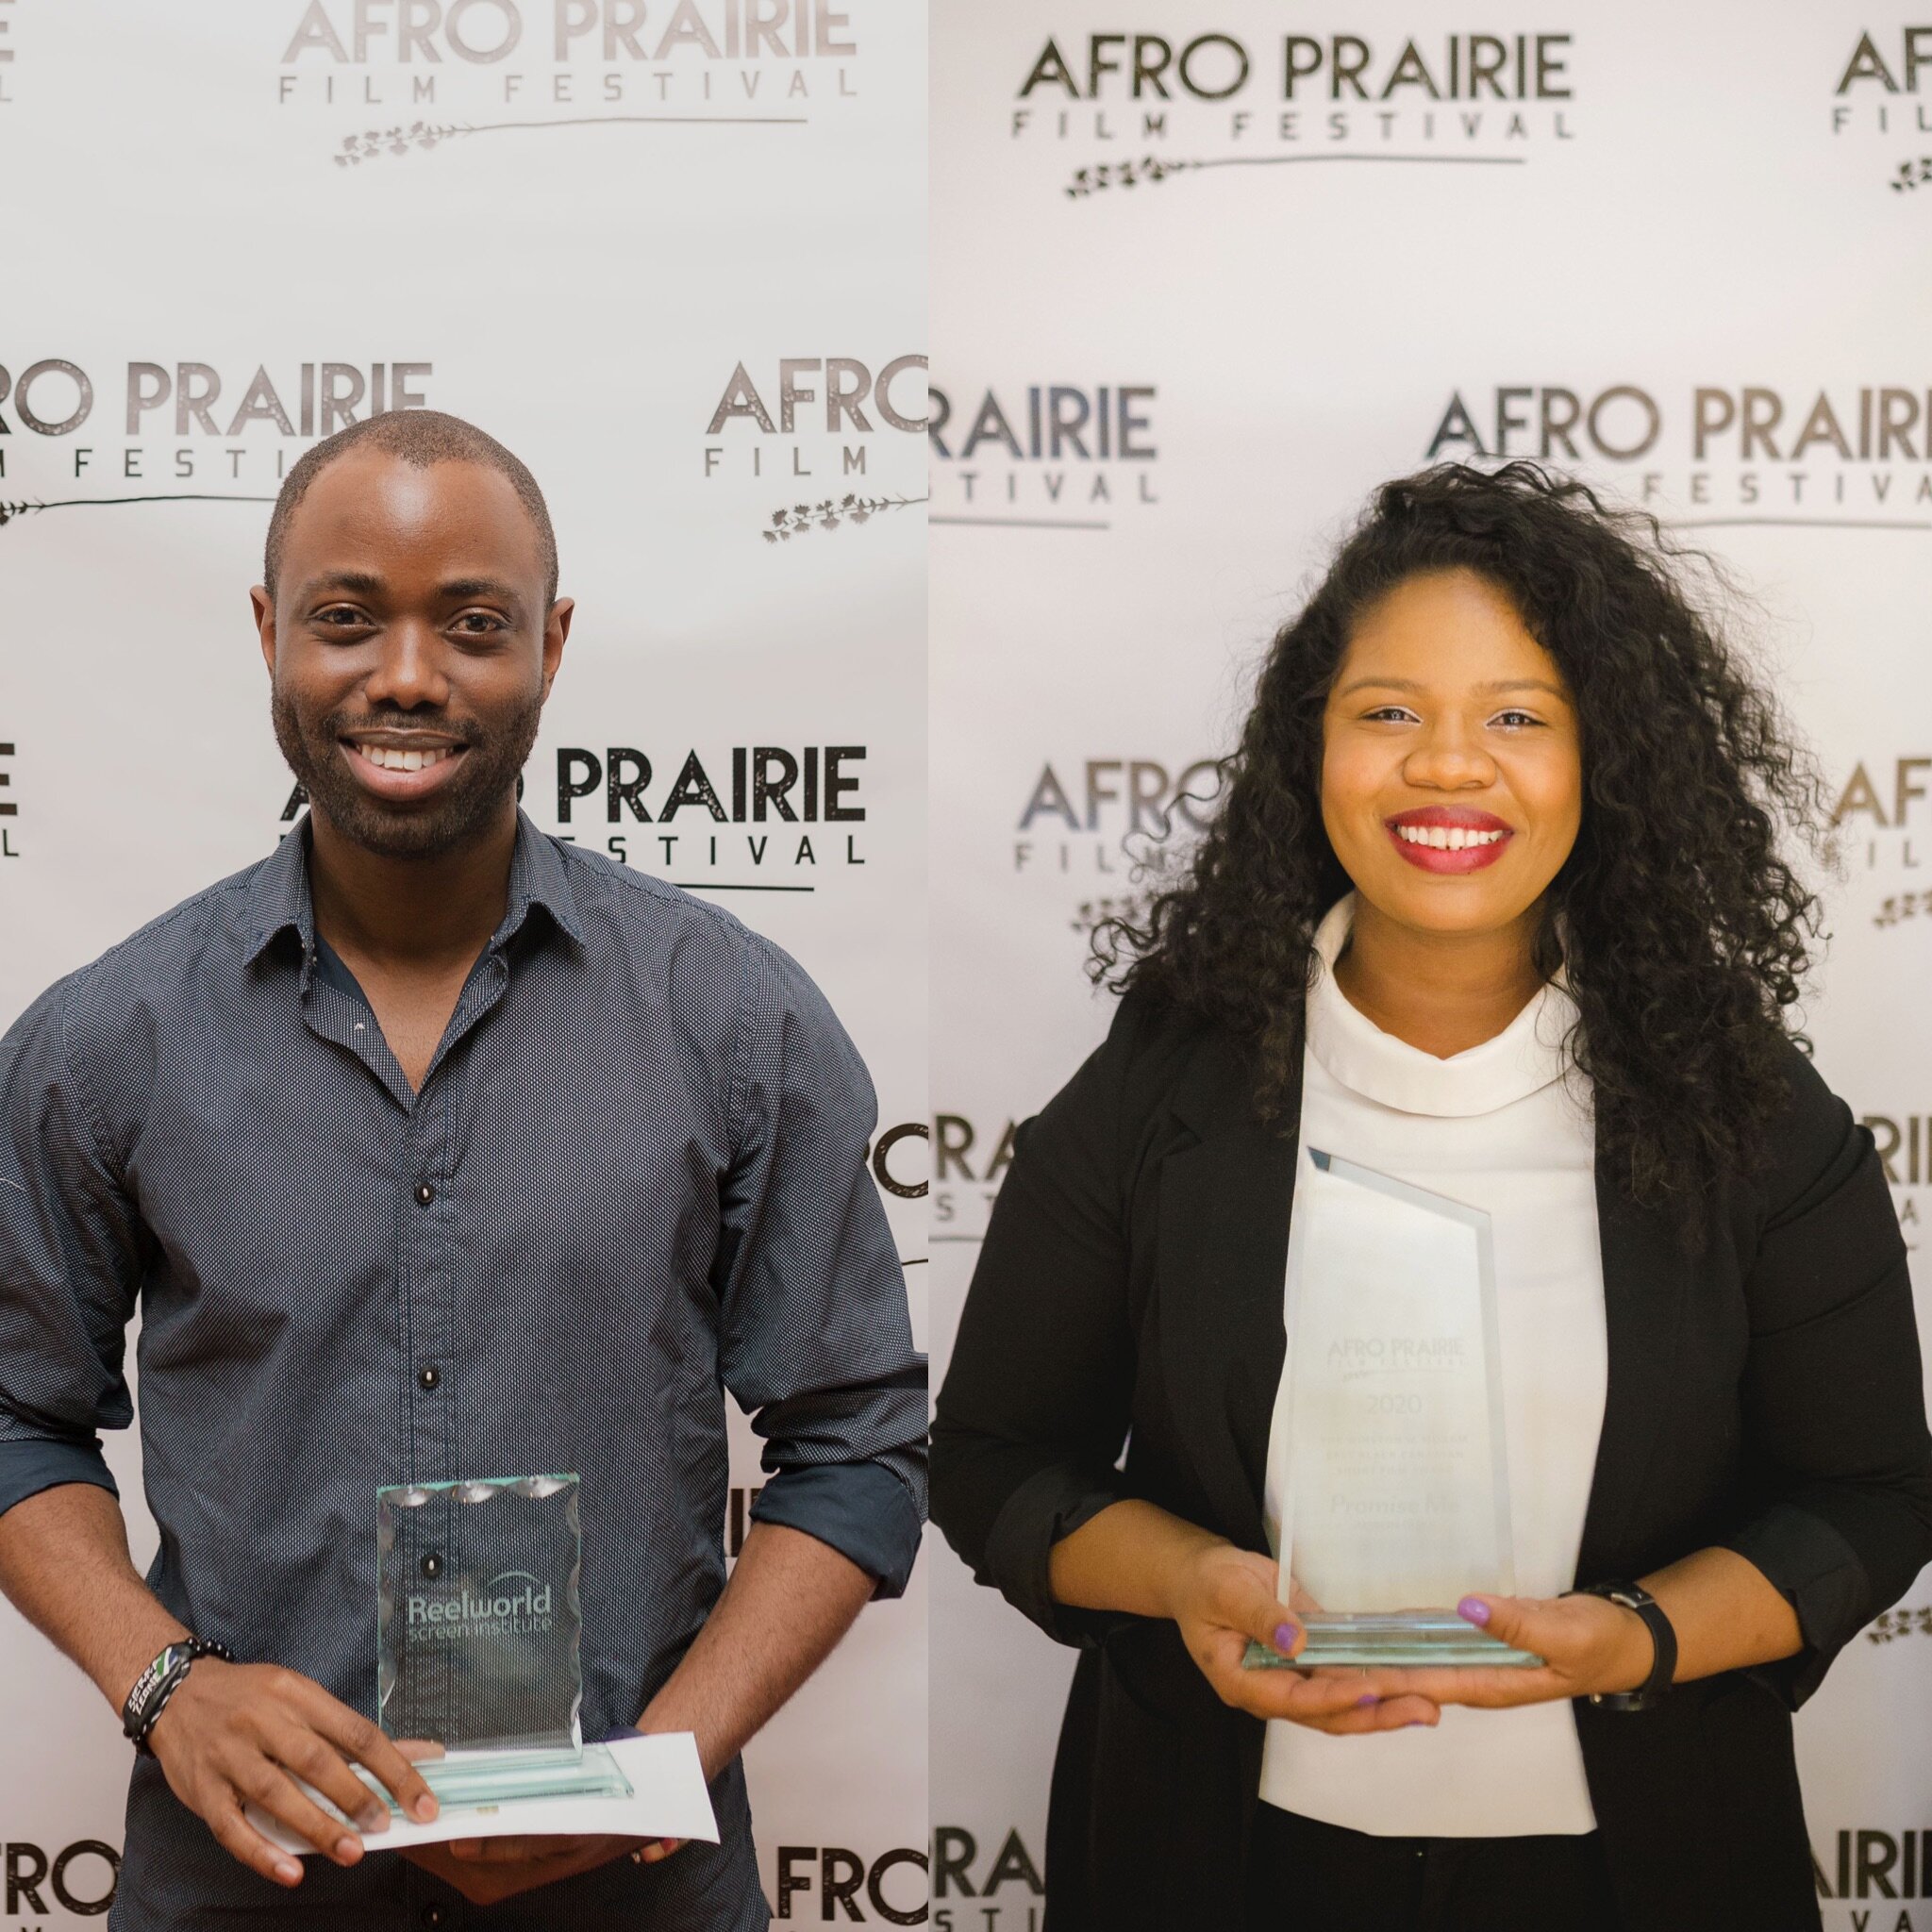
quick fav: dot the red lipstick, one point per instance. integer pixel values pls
(1449, 838)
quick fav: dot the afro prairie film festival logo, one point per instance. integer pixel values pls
(1130, 110)
(1883, 819)
(740, 818)
(10, 805)
(839, 1885)
(1866, 1863)
(970, 1159)
(1902, 1141)
(1102, 819)
(71, 435)
(56, 1882)
(1804, 451)
(818, 442)
(1044, 454)
(711, 818)
(1883, 101)
(1000, 1878)
(411, 75)
(1098, 845)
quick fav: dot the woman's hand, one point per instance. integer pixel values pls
(1222, 1597)
(1588, 1645)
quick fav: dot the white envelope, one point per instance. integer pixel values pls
(668, 1800)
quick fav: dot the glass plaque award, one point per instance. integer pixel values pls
(478, 1624)
(1388, 1481)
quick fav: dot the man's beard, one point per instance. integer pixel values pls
(461, 808)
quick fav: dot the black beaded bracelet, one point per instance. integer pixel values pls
(159, 1682)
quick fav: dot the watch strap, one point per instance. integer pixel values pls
(1663, 1668)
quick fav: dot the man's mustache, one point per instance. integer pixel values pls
(465, 731)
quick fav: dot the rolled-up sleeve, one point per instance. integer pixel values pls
(816, 1343)
(1834, 1402)
(1036, 1403)
(70, 1266)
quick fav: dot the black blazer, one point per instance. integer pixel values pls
(1764, 1395)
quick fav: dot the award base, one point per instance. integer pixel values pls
(1387, 1639)
(476, 1780)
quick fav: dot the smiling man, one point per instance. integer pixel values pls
(432, 1148)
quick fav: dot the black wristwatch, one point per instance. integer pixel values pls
(159, 1682)
(1663, 1668)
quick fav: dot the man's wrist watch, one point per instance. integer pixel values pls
(1663, 1668)
(159, 1682)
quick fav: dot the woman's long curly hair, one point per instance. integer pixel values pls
(1685, 932)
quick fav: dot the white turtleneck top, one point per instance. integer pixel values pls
(1507, 1128)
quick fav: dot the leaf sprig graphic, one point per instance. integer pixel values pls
(9, 512)
(1891, 1625)
(829, 515)
(1913, 174)
(1132, 907)
(375, 143)
(1903, 906)
(1102, 176)
(1105, 174)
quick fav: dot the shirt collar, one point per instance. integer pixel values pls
(279, 900)
(1527, 1056)
(538, 875)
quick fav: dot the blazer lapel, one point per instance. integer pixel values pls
(1647, 1279)
(1221, 1258)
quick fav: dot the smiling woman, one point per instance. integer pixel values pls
(1559, 633)
(1495, 907)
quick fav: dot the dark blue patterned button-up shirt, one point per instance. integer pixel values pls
(634, 1178)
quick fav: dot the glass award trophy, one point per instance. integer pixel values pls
(1387, 1488)
(478, 1623)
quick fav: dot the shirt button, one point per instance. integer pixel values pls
(426, 1376)
(424, 1192)
(432, 1565)
(432, 1915)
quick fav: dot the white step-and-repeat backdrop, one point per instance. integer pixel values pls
(673, 256)
(1206, 270)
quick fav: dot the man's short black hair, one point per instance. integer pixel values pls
(419, 437)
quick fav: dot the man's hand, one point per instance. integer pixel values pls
(1224, 1596)
(788, 1601)
(489, 1869)
(234, 1735)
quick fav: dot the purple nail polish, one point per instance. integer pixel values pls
(1413, 1721)
(1369, 1697)
(1284, 1634)
(1473, 1610)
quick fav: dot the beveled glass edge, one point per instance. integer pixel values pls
(1406, 1191)
(472, 1780)
(1394, 1639)
(390, 1497)
(1480, 1222)
(470, 1490)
